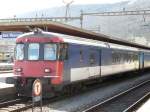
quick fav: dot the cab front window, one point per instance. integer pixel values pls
(50, 51)
(19, 52)
(33, 51)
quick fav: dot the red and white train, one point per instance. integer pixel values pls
(62, 60)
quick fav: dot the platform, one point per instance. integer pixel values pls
(4, 85)
(6, 66)
(6, 89)
(145, 107)
(5, 75)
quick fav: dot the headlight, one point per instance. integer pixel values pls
(18, 69)
(47, 70)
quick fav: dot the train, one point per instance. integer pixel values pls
(6, 57)
(62, 61)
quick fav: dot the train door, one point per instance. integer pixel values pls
(63, 52)
(141, 60)
(94, 63)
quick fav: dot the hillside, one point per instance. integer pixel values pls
(127, 27)
(74, 9)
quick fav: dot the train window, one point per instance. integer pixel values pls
(128, 57)
(113, 57)
(81, 55)
(132, 57)
(92, 58)
(135, 57)
(119, 57)
(19, 52)
(33, 51)
(50, 51)
(116, 57)
(63, 52)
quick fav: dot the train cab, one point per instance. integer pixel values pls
(40, 55)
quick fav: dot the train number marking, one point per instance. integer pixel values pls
(37, 87)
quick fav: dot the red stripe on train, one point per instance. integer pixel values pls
(59, 73)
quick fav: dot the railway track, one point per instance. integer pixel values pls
(124, 101)
(138, 103)
(15, 105)
(22, 105)
(19, 105)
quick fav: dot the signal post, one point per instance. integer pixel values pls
(37, 93)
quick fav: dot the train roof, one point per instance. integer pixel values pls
(33, 34)
(78, 40)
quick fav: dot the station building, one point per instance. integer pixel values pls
(7, 45)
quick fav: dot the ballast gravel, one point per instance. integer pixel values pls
(80, 102)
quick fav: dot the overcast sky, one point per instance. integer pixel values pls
(9, 8)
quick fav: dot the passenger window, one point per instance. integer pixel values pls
(119, 57)
(113, 57)
(81, 55)
(128, 57)
(92, 58)
(136, 57)
(63, 52)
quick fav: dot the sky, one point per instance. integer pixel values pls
(10, 8)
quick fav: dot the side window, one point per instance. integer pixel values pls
(63, 52)
(81, 55)
(128, 57)
(19, 52)
(116, 57)
(132, 57)
(119, 57)
(136, 57)
(50, 51)
(113, 57)
(92, 58)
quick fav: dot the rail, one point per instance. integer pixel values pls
(18, 104)
(138, 103)
(9, 102)
(110, 100)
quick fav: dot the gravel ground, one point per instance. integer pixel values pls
(122, 102)
(100, 94)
